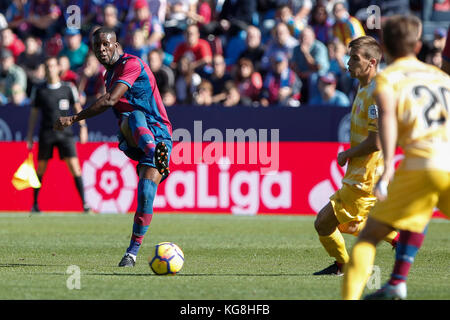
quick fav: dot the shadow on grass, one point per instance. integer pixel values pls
(16, 265)
(203, 274)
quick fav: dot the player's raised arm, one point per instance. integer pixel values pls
(100, 105)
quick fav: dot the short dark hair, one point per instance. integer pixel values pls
(401, 34)
(106, 30)
(368, 46)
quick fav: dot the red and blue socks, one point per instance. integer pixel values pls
(142, 135)
(408, 245)
(144, 213)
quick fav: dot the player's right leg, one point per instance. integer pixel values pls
(331, 239)
(137, 134)
(359, 267)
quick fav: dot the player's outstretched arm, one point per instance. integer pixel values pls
(100, 105)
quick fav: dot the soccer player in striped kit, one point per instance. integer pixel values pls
(145, 130)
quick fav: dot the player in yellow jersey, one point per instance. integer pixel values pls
(414, 101)
(348, 208)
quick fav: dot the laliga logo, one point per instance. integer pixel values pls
(241, 192)
(319, 195)
(109, 180)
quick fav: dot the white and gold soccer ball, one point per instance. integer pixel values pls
(167, 259)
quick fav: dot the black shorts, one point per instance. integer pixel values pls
(50, 139)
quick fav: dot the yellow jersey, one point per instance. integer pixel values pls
(363, 172)
(422, 92)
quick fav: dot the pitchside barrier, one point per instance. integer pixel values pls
(225, 160)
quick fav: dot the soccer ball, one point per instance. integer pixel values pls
(167, 259)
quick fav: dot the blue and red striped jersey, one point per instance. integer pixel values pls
(143, 93)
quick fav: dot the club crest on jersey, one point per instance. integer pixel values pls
(64, 104)
(373, 111)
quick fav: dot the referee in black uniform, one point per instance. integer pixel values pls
(54, 99)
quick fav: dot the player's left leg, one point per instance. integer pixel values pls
(408, 246)
(331, 239)
(149, 178)
(359, 266)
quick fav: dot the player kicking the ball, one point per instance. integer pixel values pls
(348, 208)
(145, 130)
(414, 113)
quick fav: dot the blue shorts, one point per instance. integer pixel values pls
(137, 154)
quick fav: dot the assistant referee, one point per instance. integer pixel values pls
(54, 99)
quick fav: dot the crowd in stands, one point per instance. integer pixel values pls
(203, 52)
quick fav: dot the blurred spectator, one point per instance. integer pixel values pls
(17, 14)
(205, 12)
(284, 14)
(91, 84)
(248, 81)
(434, 57)
(10, 74)
(186, 80)
(11, 42)
(67, 75)
(158, 8)
(219, 77)
(337, 53)
(309, 61)
(32, 56)
(204, 94)
(181, 9)
(328, 93)
(438, 42)
(138, 46)
(143, 20)
(440, 37)
(36, 78)
(233, 96)
(169, 97)
(281, 41)
(74, 49)
(165, 78)
(30, 59)
(43, 17)
(301, 10)
(321, 24)
(111, 18)
(255, 50)
(281, 84)
(18, 97)
(199, 49)
(346, 28)
(236, 16)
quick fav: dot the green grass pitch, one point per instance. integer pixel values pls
(226, 258)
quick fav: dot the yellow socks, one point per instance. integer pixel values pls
(358, 270)
(334, 244)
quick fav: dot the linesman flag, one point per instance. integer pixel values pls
(25, 176)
